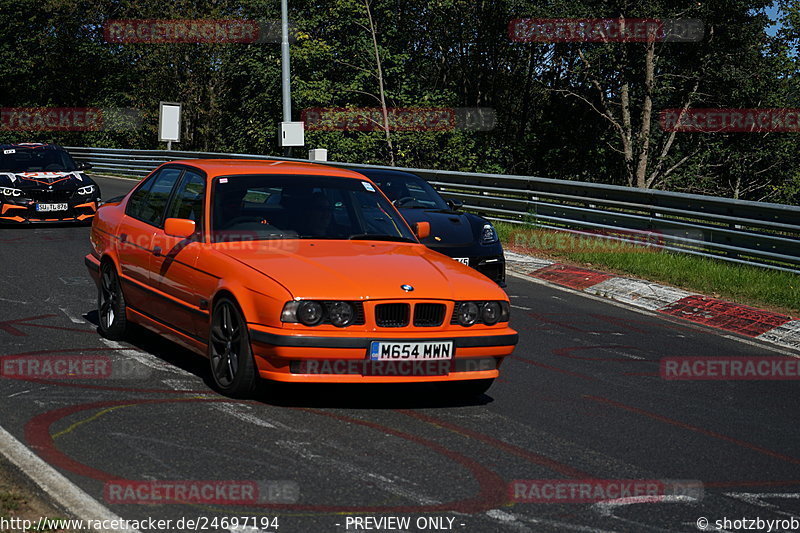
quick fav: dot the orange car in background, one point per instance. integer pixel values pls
(293, 272)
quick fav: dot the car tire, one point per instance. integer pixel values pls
(111, 306)
(229, 351)
(464, 390)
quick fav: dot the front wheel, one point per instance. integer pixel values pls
(111, 304)
(229, 350)
(464, 390)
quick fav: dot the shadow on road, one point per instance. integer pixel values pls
(311, 395)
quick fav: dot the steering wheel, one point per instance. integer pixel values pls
(404, 200)
(244, 219)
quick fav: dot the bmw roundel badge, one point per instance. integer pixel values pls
(407, 288)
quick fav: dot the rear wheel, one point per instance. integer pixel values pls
(111, 303)
(229, 351)
(464, 390)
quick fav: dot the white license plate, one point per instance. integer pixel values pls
(464, 260)
(52, 207)
(410, 351)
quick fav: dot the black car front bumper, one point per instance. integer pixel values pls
(24, 211)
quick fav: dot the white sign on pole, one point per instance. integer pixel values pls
(169, 122)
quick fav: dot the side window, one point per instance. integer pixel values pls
(188, 199)
(149, 205)
(139, 198)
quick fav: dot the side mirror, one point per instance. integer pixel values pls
(179, 227)
(455, 204)
(422, 229)
(83, 165)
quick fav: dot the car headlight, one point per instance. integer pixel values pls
(467, 313)
(341, 314)
(307, 312)
(489, 313)
(84, 191)
(310, 313)
(8, 191)
(488, 234)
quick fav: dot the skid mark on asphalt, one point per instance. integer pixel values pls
(95, 416)
(359, 473)
(12, 327)
(533, 457)
(163, 444)
(491, 494)
(553, 368)
(9, 300)
(619, 349)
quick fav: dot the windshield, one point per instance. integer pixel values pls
(36, 160)
(303, 207)
(409, 191)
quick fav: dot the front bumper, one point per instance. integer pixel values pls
(24, 212)
(329, 358)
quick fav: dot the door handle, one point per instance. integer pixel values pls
(157, 251)
(123, 237)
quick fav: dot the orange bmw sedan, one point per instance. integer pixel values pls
(293, 272)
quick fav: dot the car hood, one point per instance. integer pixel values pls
(42, 180)
(355, 270)
(451, 227)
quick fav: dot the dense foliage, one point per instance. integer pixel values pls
(581, 110)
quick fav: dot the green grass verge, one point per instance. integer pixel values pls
(9, 501)
(740, 283)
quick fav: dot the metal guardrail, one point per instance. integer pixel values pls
(739, 231)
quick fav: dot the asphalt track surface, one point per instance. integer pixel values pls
(580, 398)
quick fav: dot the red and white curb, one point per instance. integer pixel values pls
(749, 321)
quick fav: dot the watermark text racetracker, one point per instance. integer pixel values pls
(198, 523)
(598, 490)
(728, 120)
(739, 368)
(366, 367)
(69, 119)
(399, 119)
(70, 367)
(217, 492)
(568, 30)
(197, 31)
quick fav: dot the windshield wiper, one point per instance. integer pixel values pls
(378, 237)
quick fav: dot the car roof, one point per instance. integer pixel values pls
(31, 146)
(231, 167)
(379, 173)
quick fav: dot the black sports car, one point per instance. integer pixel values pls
(41, 183)
(465, 237)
